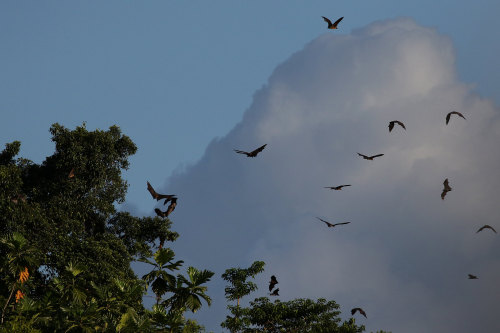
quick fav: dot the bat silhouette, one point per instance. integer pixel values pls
(370, 157)
(391, 124)
(336, 188)
(253, 153)
(275, 292)
(331, 225)
(160, 213)
(453, 112)
(353, 311)
(272, 283)
(486, 226)
(170, 209)
(446, 188)
(158, 197)
(472, 277)
(330, 24)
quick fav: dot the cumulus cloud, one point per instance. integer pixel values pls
(406, 255)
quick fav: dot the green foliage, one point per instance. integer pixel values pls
(237, 277)
(298, 315)
(58, 221)
(67, 219)
(11, 150)
(160, 280)
(188, 292)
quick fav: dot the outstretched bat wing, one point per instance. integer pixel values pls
(327, 21)
(337, 22)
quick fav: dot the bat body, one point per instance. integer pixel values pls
(353, 311)
(158, 197)
(331, 225)
(171, 207)
(336, 188)
(253, 153)
(370, 158)
(472, 277)
(160, 213)
(446, 188)
(330, 24)
(272, 283)
(275, 292)
(391, 124)
(453, 112)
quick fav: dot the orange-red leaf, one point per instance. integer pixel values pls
(19, 295)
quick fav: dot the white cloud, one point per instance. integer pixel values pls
(406, 255)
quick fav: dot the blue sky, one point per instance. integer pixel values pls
(178, 74)
(175, 75)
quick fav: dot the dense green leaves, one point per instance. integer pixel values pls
(299, 315)
(296, 316)
(58, 220)
(188, 292)
(237, 278)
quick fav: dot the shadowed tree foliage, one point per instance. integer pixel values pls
(296, 316)
(65, 253)
(237, 277)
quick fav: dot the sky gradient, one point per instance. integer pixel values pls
(191, 82)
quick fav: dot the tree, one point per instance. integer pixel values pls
(188, 292)
(15, 267)
(237, 277)
(298, 315)
(66, 251)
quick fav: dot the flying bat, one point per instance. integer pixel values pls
(336, 188)
(253, 153)
(486, 226)
(446, 188)
(391, 124)
(331, 225)
(275, 292)
(370, 157)
(453, 112)
(170, 209)
(353, 311)
(272, 283)
(158, 197)
(472, 277)
(330, 24)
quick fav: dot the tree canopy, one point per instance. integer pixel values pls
(298, 315)
(66, 250)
